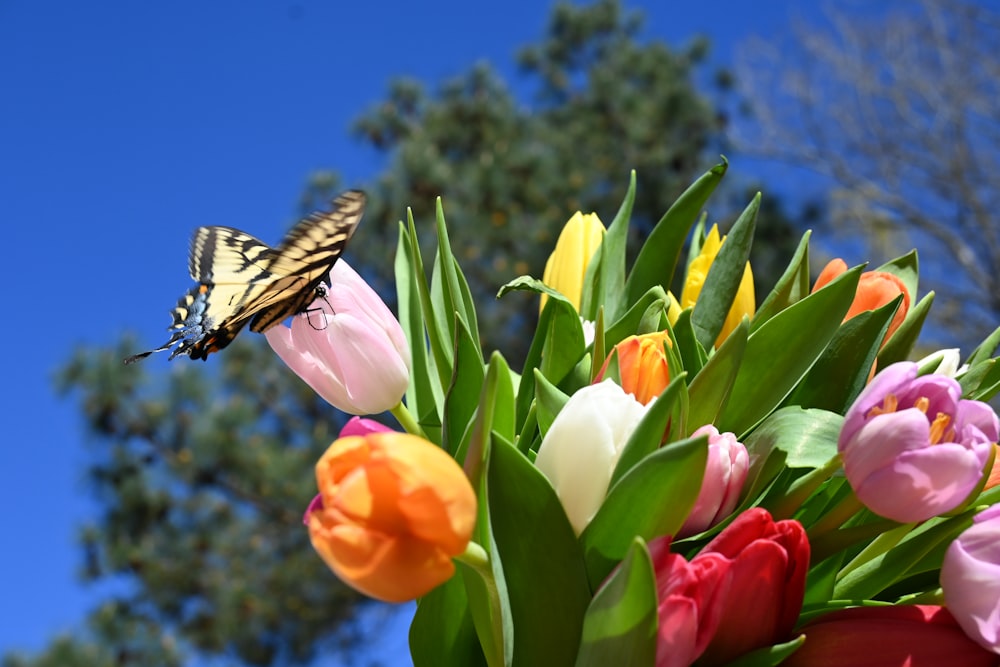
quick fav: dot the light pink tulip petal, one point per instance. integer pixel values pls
(980, 416)
(970, 579)
(889, 381)
(882, 439)
(921, 484)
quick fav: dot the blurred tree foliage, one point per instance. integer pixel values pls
(202, 473)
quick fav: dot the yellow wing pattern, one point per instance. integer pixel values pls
(241, 279)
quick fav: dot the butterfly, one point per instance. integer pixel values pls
(242, 280)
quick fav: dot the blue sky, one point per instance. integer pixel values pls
(124, 125)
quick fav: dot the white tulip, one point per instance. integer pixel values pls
(581, 448)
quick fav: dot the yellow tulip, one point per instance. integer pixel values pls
(567, 265)
(743, 304)
(394, 509)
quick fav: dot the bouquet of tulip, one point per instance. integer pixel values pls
(662, 481)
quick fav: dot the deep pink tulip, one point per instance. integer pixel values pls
(361, 426)
(912, 448)
(725, 473)
(691, 597)
(970, 579)
(356, 357)
(890, 636)
(743, 591)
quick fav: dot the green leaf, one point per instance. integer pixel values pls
(450, 286)
(463, 393)
(869, 579)
(807, 437)
(692, 355)
(724, 276)
(711, 387)
(495, 411)
(901, 343)
(652, 499)
(657, 259)
(985, 349)
(549, 402)
(542, 562)
(907, 269)
(605, 281)
(792, 286)
(842, 371)
(770, 655)
(422, 395)
(438, 337)
(434, 643)
(621, 624)
(649, 432)
(558, 343)
(485, 607)
(783, 349)
(988, 384)
(655, 300)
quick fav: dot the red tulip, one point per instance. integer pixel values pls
(890, 636)
(769, 561)
(743, 591)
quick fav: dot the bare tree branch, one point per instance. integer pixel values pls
(899, 107)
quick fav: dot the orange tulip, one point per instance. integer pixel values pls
(394, 510)
(642, 365)
(875, 289)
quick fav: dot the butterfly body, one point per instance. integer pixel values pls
(241, 280)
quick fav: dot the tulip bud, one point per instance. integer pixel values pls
(582, 446)
(744, 303)
(640, 366)
(566, 267)
(912, 448)
(743, 591)
(875, 289)
(970, 579)
(356, 357)
(725, 473)
(394, 510)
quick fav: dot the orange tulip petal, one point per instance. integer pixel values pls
(396, 508)
(876, 289)
(832, 269)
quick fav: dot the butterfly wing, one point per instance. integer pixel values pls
(304, 259)
(229, 265)
(241, 278)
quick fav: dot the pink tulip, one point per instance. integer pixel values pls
(361, 426)
(725, 473)
(743, 591)
(890, 636)
(912, 448)
(970, 579)
(356, 356)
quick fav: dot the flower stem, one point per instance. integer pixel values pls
(488, 618)
(406, 420)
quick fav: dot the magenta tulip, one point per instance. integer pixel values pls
(970, 579)
(912, 448)
(361, 426)
(348, 347)
(889, 636)
(743, 591)
(725, 472)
